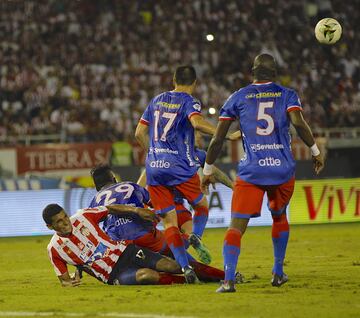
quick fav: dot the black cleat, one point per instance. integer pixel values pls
(200, 248)
(239, 278)
(190, 275)
(278, 280)
(228, 287)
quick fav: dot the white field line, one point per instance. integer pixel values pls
(75, 314)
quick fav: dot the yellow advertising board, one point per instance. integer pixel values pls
(325, 201)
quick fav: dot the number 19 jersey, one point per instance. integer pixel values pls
(263, 113)
(171, 158)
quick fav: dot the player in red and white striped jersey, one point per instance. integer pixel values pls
(79, 241)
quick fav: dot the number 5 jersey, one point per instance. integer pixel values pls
(262, 109)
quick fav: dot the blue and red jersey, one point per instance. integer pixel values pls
(171, 157)
(127, 226)
(262, 110)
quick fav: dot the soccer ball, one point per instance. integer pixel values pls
(328, 31)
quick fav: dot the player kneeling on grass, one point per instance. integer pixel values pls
(79, 241)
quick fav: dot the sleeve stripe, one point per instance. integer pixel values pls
(292, 108)
(194, 113)
(226, 118)
(144, 121)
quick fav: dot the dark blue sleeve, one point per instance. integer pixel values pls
(293, 101)
(228, 111)
(144, 193)
(192, 107)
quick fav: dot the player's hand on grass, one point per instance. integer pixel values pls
(146, 214)
(234, 136)
(206, 181)
(74, 280)
(319, 163)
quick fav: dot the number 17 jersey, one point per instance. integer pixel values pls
(171, 158)
(262, 110)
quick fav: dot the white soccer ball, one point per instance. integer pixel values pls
(328, 31)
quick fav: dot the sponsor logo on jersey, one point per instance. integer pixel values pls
(188, 156)
(259, 147)
(160, 164)
(140, 254)
(122, 221)
(264, 95)
(168, 105)
(269, 162)
(163, 150)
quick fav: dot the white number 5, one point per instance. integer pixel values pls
(262, 115)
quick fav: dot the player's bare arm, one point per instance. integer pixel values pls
(213, 152)
(235, 135)
(118, 209)
(142, 179)
(304, 131)
(202, 125)
(67, 281)
(221, 177)
(142, 135)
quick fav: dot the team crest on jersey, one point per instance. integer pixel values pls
(85, 231)
(81, 246)
(197, 107)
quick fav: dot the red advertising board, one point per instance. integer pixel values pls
(56, 157)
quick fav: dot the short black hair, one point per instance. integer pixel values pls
(185, 75)
(102, 175)
(264, 67)
(49, 211)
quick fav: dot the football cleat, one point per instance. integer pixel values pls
(239, 278)
(200, 248)
(228, 287)
(278, 280)
(190, 276)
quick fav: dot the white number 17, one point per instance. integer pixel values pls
(170, 116)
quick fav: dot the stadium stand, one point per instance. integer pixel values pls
(85, 70)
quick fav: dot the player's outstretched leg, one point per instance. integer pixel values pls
(280, 237)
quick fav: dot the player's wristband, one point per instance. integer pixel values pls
(315, 150)
(208, 169)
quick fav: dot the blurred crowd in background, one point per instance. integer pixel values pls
(88, 68)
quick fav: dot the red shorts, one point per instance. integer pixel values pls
(153, 241)
(247, 198)
(183, 214)
(162, 197)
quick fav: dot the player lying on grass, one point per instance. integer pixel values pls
(79, 241)
(132, 227)
(193, 226)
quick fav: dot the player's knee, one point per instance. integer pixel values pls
(203, 203)
(146, 276)
(168, 265)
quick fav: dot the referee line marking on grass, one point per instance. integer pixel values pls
(79, 314)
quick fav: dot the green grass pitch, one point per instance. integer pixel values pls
(323, 264)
